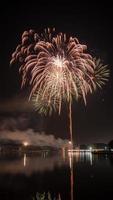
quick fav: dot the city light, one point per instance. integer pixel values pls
(70, 142)
(25, 144)
(25, 159)
(90, 148)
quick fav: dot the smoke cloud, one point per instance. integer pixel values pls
(10, 130)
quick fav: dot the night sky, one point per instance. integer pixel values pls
(92, 25)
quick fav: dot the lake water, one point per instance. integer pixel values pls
(79, 176)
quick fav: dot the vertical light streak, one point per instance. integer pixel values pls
(70, 124)
(63, 153)
(70, 154)
(91, 158)
(25, 159)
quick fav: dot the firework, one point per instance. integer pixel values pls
(58, 69)
(101, 73)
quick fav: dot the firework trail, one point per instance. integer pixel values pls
(58, 69)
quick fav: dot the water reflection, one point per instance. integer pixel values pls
(25, 159)
(30, 164)
(110, 159)
(65, 173)
(85, 157)
(71, 174)
(79, 157)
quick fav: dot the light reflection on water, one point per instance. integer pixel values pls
(30, 164)
(78, 170)
(79, 157)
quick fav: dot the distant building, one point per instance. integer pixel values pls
(84, 147)
(94, 147)
(99, 148)
(9, 146)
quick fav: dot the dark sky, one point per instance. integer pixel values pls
(92, 24)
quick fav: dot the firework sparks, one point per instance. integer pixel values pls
(58, 69)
